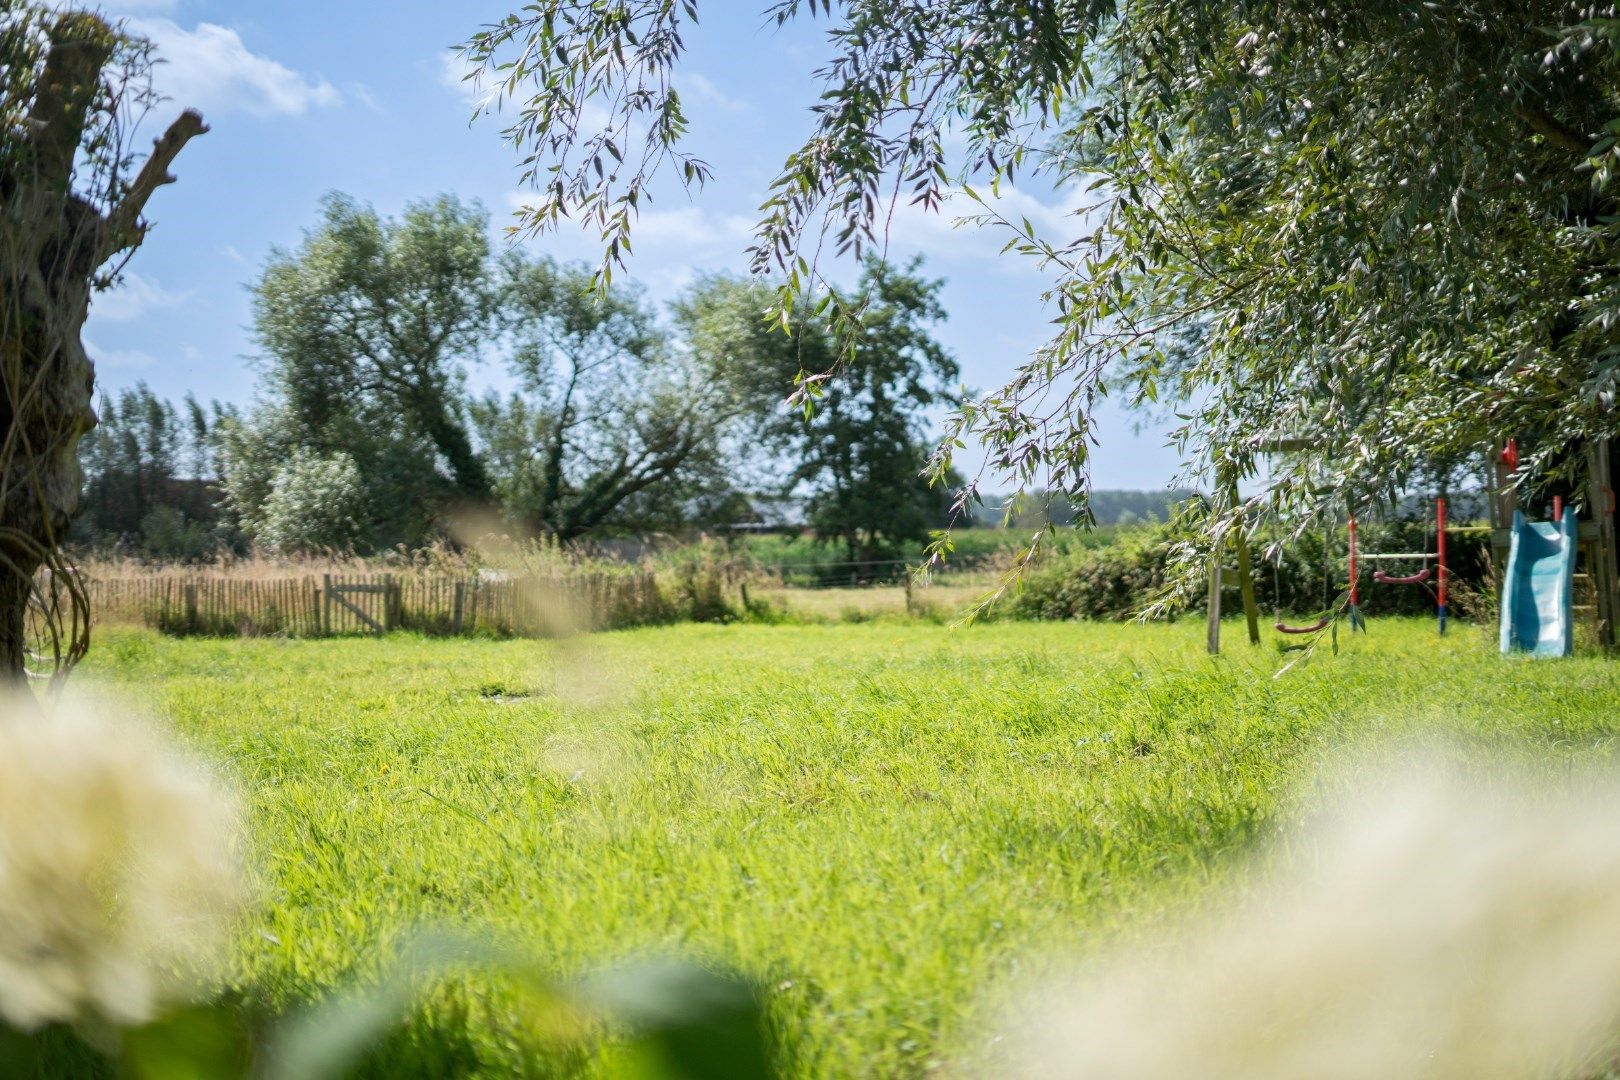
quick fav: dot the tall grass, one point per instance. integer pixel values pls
(891, 828)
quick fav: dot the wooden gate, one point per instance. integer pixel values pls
(380, 619)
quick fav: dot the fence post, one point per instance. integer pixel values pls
(388, 602)
(455, 608)
(326, 605)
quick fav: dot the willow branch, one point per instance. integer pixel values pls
(1554, 130)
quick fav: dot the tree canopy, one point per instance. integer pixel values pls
(610, 423)
(858, 458)
(1386, 228)
(606, 418)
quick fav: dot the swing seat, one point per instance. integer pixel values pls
(1321, 624)
(1411, 579)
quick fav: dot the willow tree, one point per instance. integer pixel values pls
(71, 200)
(1386, 228)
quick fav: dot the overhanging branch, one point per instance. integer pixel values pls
(1554, 130)
(123, 223)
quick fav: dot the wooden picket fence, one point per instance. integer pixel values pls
(332, 605)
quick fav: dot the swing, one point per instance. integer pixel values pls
(1410, 579)
(1320, 624)
(1327, 619)
(1420, 576)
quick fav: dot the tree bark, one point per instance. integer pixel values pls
(52, 242)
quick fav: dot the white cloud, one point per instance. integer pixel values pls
(671, 247)
(455, 72)
(943, 234)
(136, 7)
(688, 230)
(211, 69)
(125, 359)
(132, 298)
(693, 229)
(701, 89)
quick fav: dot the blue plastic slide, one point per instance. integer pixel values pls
(1539, 589)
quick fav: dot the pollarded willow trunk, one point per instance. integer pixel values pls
(53, 241)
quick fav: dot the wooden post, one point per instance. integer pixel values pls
(455, 607)
(1503, 501)
(1600, 498)
(389, 596)
(191, 607)
(1251, 610)
(326, 605)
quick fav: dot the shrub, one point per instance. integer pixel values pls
(314, 503)
(1118, 581)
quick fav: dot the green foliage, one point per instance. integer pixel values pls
(858, 458)
(149, 478)
(365, 329)
(886, 828)
(369, 328)
(316, 501)
(678, 1022)
(1292, 575)
(612, 429)
(1387, 229)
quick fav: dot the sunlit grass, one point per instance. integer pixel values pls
(883, 824)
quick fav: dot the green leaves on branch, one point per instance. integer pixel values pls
(1385, 230)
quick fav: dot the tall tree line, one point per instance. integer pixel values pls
(151, 477)
(610, 417)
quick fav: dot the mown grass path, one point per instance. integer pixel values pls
(887, 825)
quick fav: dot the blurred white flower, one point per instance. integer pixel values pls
(1432, 927)
(118, 870)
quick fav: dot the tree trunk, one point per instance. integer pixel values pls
(14, 592)
(52, 242)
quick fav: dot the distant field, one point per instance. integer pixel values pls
(801, 560)
(886, 825)
(942, 599)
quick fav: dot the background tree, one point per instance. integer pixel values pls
(612, 426)
(399, 502)
(71, 199)
(369, 330)
(151, 485)
(859, 456)
(1393, 221)
(369, 324)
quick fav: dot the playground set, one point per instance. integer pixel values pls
(1536, 561)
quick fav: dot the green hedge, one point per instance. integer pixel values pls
(1117, 581)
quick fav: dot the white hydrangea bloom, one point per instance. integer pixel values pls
(118, 873)
(1437, 925)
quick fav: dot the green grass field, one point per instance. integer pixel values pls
(886, 825)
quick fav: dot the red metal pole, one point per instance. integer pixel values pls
(1440, 556)
(1355, 595)
(1355, 583)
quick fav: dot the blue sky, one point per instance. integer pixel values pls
(362, 96)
